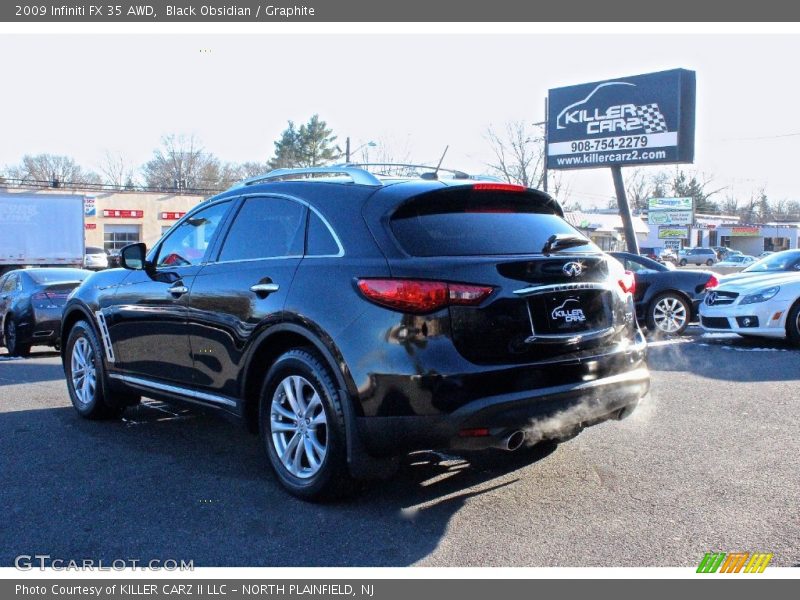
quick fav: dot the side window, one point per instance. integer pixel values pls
(631, 265)
(6, 284)
(320, 239)
(12, 284)
(265, 227)
(188, 243)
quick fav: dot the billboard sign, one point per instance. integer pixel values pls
(745, 231)
(639, 120)
(89, 208)
(667, 232)
(670, 211)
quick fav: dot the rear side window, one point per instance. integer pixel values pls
(472, 223)
(320, 239)
(266, 227)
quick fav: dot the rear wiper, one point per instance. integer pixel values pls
(561, 241)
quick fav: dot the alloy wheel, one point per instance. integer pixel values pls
(299, 426)
(669, 314)
(83, 372)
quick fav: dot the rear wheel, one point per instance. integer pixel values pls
(793, 324)
(302, 427)
(11, 336)
(668, 314)
(85, 375)
(709, 263)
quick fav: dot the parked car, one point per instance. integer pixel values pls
(787, 261)
(723, 252)
(95, 259)
(351, 319)
(667, 299)
(767, 306)
(31, 301)
(736, 261)
(697, 256)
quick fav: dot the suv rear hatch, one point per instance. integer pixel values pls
(552, 298)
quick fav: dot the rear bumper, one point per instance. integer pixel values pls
(547, 413)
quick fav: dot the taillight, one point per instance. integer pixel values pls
(46, 299)
(628, 282)
(712, 282)
(415, 296)
(499, 187)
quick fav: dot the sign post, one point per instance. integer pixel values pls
(639, 120)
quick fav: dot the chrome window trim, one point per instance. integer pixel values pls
(562, 287)
(292, 199)
(164, 387)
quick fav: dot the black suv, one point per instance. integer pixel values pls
(350, 318)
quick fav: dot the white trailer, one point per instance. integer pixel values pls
(41, 230)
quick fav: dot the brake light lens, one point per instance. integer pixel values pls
(712, 283)
(499, 187)
(419, 296)
(45, 299)
(628, 282)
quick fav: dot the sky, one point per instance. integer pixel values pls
(85, 95)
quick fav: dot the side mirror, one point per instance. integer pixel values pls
(133, 256)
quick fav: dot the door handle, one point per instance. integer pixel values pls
(178, 290)
(264, 289)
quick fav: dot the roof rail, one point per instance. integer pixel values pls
(456, 174)
(357, 175)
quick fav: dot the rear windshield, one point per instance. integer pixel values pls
(57, 275)
(472, 223)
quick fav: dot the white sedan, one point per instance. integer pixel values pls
(737, 260)
(761, 305)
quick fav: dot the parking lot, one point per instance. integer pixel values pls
(709, 462)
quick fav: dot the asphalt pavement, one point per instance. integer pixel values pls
(710, 462)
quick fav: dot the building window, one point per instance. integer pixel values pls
(712, 238)
(117, 236)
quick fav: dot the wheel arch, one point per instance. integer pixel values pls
(75, 313)
(276, 341)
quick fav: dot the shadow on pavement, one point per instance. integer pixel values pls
(16, 370)
(169, 483)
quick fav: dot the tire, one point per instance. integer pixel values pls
(11, 339)
(683, 262)
(668, 314)
(709, 263)
(793, 324)
(305, 441)
(83, 367)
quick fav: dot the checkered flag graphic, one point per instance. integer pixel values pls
(652, 119)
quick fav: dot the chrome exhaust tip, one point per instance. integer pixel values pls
(511, 441)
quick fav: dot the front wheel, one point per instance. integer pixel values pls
(668, 314)
(12, 338)
(83, 367)
(683, 262)
(302, 426)
(793, 324)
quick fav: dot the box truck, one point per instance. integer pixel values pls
(41, 230)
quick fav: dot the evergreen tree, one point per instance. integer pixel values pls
(312, 145)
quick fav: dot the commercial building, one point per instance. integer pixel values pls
(606, 229)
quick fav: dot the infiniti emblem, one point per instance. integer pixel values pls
(572, 269)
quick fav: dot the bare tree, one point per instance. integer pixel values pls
(518, 152)
(116, 170)
(51, 168)
(638, 186)
(730, 205)
(181, 163)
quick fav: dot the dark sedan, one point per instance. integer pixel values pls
(666, 300)
(30, 306)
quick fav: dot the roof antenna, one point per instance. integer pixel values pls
(435, 174)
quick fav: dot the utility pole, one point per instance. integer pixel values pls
(347, 149)
(624, 210)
